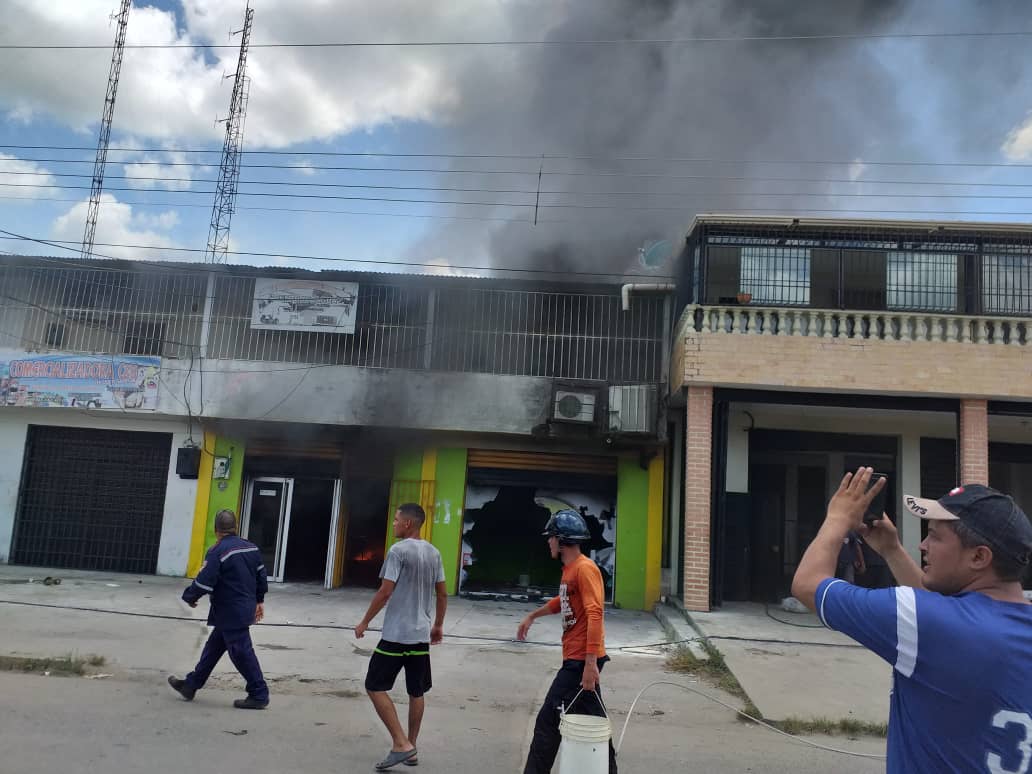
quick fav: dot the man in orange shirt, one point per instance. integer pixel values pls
(581, 600)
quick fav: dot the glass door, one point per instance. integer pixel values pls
(267, 521)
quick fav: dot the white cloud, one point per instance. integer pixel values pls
(1018, 145)
(296, 95)
(28, 180)
(857, 169)
(118, 225)
(149, 172)
(163, 221)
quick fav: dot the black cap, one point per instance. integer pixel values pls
(992, 515)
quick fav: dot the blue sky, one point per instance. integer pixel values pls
(953, 101)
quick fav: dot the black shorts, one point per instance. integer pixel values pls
(389, 658)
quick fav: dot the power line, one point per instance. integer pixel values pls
(601, 211)
(537, 157)
(527, 173)
(303, 210)
(688, 211)
(547, 41)
(694, 195)
(61, 244)
(532, 192)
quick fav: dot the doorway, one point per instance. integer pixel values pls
(267, 519)
(308, 537)
(291, 520)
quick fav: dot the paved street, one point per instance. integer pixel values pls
(478, 717)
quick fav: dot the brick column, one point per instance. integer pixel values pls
(974, 442)
(697, 470)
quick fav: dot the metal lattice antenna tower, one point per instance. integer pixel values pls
(105, 130)
(229, 170)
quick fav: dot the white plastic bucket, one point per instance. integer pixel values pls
(584, 748)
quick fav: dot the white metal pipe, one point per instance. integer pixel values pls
(643, 287)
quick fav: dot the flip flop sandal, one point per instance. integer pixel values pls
(394, 758)
(413, 761)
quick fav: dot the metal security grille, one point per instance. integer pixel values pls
(776, 275)
(138, 311)
(923, 281)
(92, 499)
(1007, 284)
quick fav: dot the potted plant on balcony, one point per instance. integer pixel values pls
(743, 298)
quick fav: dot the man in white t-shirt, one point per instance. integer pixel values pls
(412, 580)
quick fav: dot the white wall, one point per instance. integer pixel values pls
(737, 474)
(12, 441)
(180, 495)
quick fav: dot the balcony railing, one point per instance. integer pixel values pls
(845, 324)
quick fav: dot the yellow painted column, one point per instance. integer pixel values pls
(200, 520)
(654, 544)
(429, 473)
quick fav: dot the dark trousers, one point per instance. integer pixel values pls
(545, 744)
(236, 642)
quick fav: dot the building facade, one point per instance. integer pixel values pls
(137, 399)
(807, 347)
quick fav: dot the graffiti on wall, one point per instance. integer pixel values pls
(502, 545)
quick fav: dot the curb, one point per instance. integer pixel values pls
(678, 630)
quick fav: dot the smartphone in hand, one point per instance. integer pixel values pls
(876, 509)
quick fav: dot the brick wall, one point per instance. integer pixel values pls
(974, 442)
(920, 368)
(698, 467)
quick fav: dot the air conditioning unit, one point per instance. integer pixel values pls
(632, 409)
(577, 406)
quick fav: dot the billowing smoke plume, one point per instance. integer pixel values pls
(747, 101)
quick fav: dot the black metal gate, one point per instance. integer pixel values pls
(91, 499)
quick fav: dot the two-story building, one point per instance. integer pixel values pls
(137, 399)
(807, 347)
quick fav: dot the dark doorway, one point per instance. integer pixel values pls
(767, 483)
(311, 510)
(792, 476)
(368, 500)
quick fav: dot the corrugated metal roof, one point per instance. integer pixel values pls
(540, 280)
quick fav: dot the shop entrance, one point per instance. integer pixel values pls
(509, 498)
(292, 521)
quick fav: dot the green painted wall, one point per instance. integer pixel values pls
(632, 522)
(408, 466)
(450, 499)
(228, 496)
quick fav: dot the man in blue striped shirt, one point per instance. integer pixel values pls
(234, 575)
(958, 633)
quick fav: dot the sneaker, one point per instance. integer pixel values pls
(180, 687)
(250, 703)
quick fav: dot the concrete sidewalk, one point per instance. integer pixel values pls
(303, 605)
(794, 667)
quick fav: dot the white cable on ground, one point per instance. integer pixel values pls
(705, 695)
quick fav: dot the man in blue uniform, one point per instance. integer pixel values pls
(958, 633)
(234, 575)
